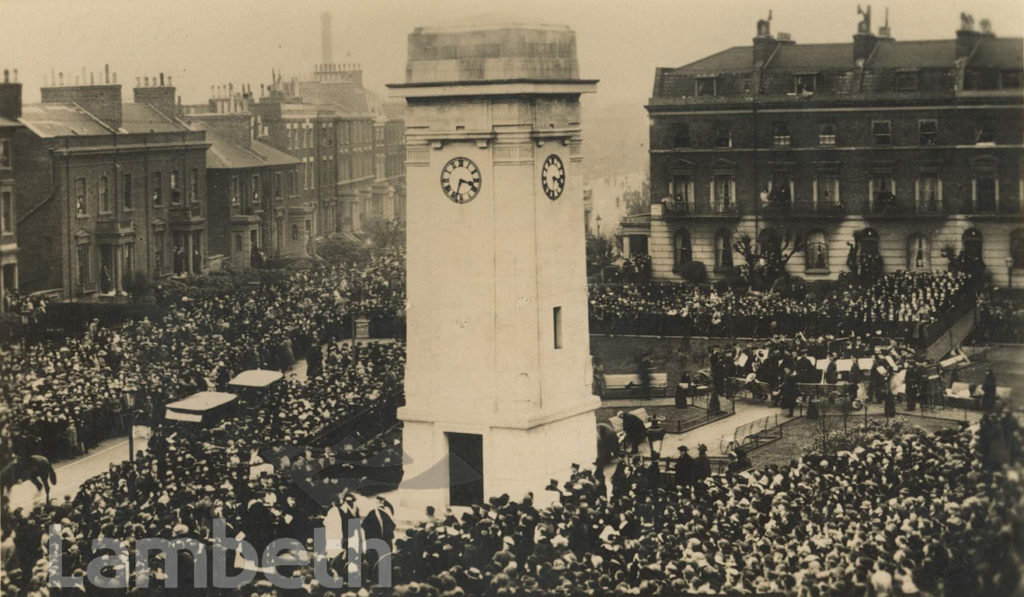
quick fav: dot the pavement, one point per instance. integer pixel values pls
(72, 474)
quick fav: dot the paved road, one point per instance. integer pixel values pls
(73, 473)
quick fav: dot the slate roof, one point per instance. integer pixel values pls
(733, 59)
(143, 118)
(1006, 53)
(939, 53)
(61, 120)
(813, 57)
(224, 153)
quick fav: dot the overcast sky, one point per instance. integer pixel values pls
(210, 42)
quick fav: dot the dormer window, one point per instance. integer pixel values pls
(906, 80)
(706, 86)
(804, 83)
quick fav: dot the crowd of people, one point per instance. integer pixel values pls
(899, 305)
(854, 522)
(60, 399)
(255, 470)
(261, 470)
(1000, 319)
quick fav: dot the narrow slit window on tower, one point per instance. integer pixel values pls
(557, 316)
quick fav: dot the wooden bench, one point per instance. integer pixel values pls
(627, 385)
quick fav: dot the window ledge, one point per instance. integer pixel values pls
(817, 271)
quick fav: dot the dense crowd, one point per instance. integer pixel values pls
(899, 305)
(62, 398)
(255, 470)
(1000, 319)
(896, 515)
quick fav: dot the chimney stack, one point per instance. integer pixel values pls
(10, 96)
(102, 101)
(966, 37)
(864, 41)
(159, 96)
(884, 32)
(327, 51)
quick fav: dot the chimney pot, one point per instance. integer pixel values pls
(114, 77)
(92, 78)
(161, 79)
(6, 76)
(146, 81)
(169, 84)
(106, 73)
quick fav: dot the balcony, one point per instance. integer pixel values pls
(187, 215)
(989, 209)
(893, 207)
(700, 209)
(802, 209)
(114, 227)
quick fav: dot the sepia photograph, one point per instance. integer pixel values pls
(394, 298)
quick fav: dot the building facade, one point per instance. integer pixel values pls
(251, 190)
(350, 143)
(108, 192)
(907, 148)
(10, 112)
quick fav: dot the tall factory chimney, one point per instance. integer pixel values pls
(325, 39)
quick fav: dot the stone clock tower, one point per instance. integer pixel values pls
(498, 377)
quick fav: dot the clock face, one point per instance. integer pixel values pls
(460, 180)
(552, 177)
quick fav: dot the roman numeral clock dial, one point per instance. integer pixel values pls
(552, 177)
(460, 180)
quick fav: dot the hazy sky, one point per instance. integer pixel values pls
(209, 42)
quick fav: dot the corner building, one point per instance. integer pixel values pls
(905, 146)
(108, 191)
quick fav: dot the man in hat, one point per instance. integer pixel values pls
(702, 466)
(635, 430)
(685, 470)
(789, 391)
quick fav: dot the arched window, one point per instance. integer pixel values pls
(869, 241)
(817, 251)
(918, 254)
(683, 250)
(723, 250)
(1017, 248)
(972, 242)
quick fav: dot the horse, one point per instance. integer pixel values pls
(34, 468)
